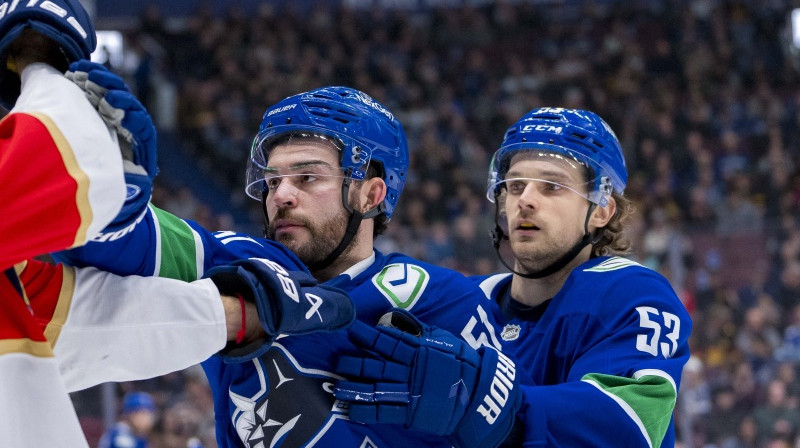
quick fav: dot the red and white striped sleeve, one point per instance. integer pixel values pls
(61, 178)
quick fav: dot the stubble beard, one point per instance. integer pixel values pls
(320, 240)
(533, 256)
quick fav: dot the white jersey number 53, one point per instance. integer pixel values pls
(651, 341)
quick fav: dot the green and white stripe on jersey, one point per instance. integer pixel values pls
(179, 249)
(648, 398)
(612, 264)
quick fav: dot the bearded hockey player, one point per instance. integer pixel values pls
(328, 166)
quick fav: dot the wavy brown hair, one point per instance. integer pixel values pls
(612, 239)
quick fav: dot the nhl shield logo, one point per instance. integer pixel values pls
(510, 332)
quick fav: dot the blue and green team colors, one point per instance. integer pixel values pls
(605, 355)
(284, 398)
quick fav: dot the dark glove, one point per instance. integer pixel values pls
(65, 22)
(428, 380)
(288, 302)
(123, 113)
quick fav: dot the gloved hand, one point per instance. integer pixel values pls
(64, 22)
(123, 113)
(287, 302)
(429, 380)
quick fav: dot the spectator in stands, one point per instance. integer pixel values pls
(133, 429)
(725, 416)
(777, 418)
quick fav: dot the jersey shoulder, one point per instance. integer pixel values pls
(608, 273)
(492, 284)
(410, 283)
(607, 285)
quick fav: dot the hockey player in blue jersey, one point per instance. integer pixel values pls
(604, 339)
(329, 166)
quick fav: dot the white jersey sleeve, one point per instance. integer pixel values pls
(132, 328)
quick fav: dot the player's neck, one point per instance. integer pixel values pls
(358, 250)
(534, 291)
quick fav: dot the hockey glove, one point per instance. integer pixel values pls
(288, 302)
(123, 113)
(428, 380)
(65, 22)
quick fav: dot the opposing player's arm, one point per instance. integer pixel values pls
(53, 126)
(103, 327)
(287, 302)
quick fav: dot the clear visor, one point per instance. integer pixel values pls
(554, 170)
(518, 185)
(260, 177)
(300, 180)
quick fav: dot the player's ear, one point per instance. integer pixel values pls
(602, 215)
(373, 191)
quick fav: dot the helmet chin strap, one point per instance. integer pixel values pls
(353, 223)
(498, 235)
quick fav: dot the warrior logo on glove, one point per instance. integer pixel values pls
(500, 390)
(428, 380)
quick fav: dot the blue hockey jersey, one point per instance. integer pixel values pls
(284, 398)
(605, 355)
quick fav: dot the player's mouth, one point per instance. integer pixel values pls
(288, 226)
(526, 226)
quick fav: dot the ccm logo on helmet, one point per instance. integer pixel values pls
(502, 384)
(542, 127)
(47, 6)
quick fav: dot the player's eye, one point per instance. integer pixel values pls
(552, 186)
(273, 182)
(308, 178)
(516, 186)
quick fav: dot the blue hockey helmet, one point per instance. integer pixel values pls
(362, 129)
(138, 401)
(573, 135)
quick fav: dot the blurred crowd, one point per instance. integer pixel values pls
(702, 94)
